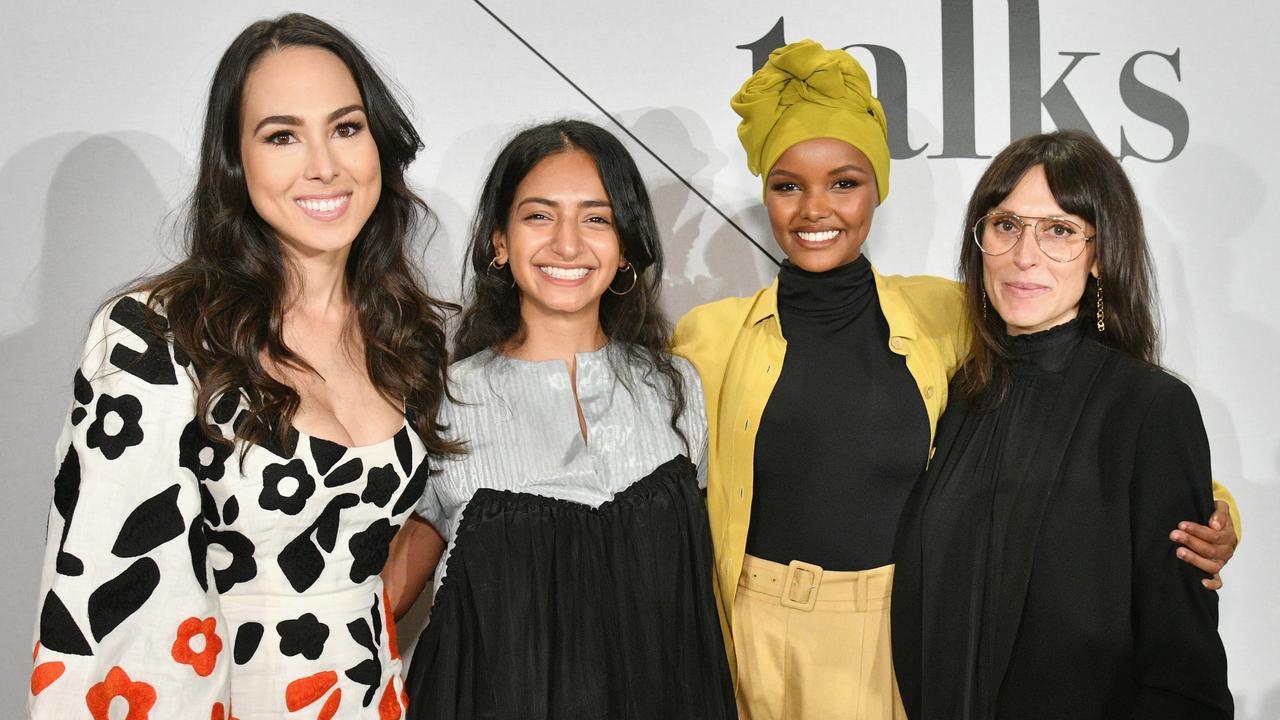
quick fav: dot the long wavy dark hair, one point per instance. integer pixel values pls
(635, 321)
(225, 302)
(1086, 181)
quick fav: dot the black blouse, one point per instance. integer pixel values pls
(1035, 577)
(844, 434)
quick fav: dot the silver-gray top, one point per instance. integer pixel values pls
(521, 428)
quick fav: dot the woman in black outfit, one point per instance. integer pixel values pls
(1033, 577)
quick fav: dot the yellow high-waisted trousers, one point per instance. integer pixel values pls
(814, 645)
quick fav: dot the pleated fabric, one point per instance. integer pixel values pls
(555, 609)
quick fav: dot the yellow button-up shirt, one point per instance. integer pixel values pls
(738, 348)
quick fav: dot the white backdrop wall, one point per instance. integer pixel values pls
(102, 106)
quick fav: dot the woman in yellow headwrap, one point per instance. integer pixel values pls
(819, 431)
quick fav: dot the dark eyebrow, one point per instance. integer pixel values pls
(295, 120)
(554, 204)
(538, 201)
(838, 171)
(277, 120)
(847, 168)
(345, 111)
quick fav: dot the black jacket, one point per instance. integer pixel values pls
(1093, 615)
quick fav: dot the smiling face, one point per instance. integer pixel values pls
(821, 195)
(1030, 291)
(310, 163)
(560, 240)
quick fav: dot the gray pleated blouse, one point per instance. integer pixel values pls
(521, 428)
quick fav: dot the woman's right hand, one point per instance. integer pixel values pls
(412, 561)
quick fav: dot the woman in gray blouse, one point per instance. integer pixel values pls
(577, 571)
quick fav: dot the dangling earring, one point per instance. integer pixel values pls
(1102, 315)
(494, 269)
(635, 277)
(984, 304)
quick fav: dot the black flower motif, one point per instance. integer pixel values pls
(369, 549)
(205, 458)
(293, 478)
(304, 636)
(381, 485)
(242, 567)
(124, 411)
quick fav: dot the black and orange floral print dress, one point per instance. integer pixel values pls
(181, 581)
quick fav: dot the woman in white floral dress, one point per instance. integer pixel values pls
(206, 554)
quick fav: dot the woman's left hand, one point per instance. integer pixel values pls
(1208, 547)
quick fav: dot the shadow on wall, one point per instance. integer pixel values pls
(1195, 227)
(913, 232)
(476, 147)
(1201, 237)
(702, 265)
(102, 206)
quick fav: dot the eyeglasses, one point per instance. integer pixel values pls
(1060, 239)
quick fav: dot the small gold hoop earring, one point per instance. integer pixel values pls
(494, 269)
(1102, 313)
(635, 277)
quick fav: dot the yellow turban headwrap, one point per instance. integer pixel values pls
(805, 91)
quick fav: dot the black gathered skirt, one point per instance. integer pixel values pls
(553, 609)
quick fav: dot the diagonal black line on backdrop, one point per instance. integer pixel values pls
(627, 130)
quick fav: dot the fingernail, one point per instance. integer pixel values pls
(1182, 553)
(1182, 526)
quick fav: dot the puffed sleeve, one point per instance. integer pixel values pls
(126, 610)
(1180, 664)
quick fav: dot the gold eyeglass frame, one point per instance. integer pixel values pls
(1022, 221)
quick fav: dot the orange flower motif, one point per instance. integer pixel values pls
(204, 660)
(140, 696)
(220, 712)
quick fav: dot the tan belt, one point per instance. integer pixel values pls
(803, 585)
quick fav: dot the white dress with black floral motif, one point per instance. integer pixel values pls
(180, 583)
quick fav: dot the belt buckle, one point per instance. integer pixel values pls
(803, 580)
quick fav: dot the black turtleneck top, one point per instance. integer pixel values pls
(845, 433)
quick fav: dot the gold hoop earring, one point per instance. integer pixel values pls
(494, 269)
(635, 277)
(1102, 313)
